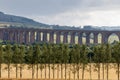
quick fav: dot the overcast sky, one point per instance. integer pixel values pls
(66, 12)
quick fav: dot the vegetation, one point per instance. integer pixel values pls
(76, 55)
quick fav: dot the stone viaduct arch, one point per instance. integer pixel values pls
(29, 36)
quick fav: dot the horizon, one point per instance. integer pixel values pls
(69, 13)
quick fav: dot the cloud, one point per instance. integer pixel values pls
(66, 12)
(96, 18)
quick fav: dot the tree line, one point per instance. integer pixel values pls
(61, 54)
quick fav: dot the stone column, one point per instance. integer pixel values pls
(95, 38)
(16, 37)
(58, 38)
(32, 37)
(105, 38)
(1, 34)
(26, 37)
(87, 38)
(72, 40)
(38, 37)
(80, 38)
(44, 36)
(65, 37)
(21, 37)
(51, 36)
(11, 36)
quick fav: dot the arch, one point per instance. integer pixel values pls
(61, 37)
(48, 37)
(54, 37)
(112, 38)
(69, 37)
(99, 38)
(76, 38)
(91, 38)
(83, 38)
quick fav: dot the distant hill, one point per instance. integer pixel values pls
(17, 21)
(7, 20)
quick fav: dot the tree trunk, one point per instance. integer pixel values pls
(41, 71)
(0, 70)
(61, 71)
(53, 70)
(103, 70)
(49, 71)
(45, 71)
(37, 71)
(8, 70)
(83, 71)
(32, 71)
(57, 71)
(99, 71)
(20, 71)
(107, 70)
(16, 71)
(65, 70)
(70, 72)
(78, 71)
(74, 70)
(118, 70)
(90, 72)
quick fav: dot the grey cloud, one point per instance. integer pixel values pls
(51, 7)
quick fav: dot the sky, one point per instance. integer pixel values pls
(66, 12)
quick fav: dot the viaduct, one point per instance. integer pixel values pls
(29, 36)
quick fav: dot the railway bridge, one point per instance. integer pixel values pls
(30, 35)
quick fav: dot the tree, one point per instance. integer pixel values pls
(16, 58)
(1, 58)
(49, 55)
(102, 50)
(97, 58)
(65, 57)
(72, 59)
(90, 59)
(36, 56)
(83, 58)
(30, 58)
(8, 57)
(108, 51)
(53, 58)
(45, 56)
(115, 55)
(21, 58)
(61, 48)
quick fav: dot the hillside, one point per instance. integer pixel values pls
(7, 20)
(17, 21)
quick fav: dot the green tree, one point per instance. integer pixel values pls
(22, 58)
(83, 58)
(71, 60)
(30, 58)
(16, 58)
(44, 57)
(61, 48)
(97, 58)
(65, 57)
(116, 56)
(49, 57)
(103, 55)
(108, 51)
(1, 58)
(8, 57)
(36, 56)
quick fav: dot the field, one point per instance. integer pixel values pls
(72, 73)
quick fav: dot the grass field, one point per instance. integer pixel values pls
(71, 73)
